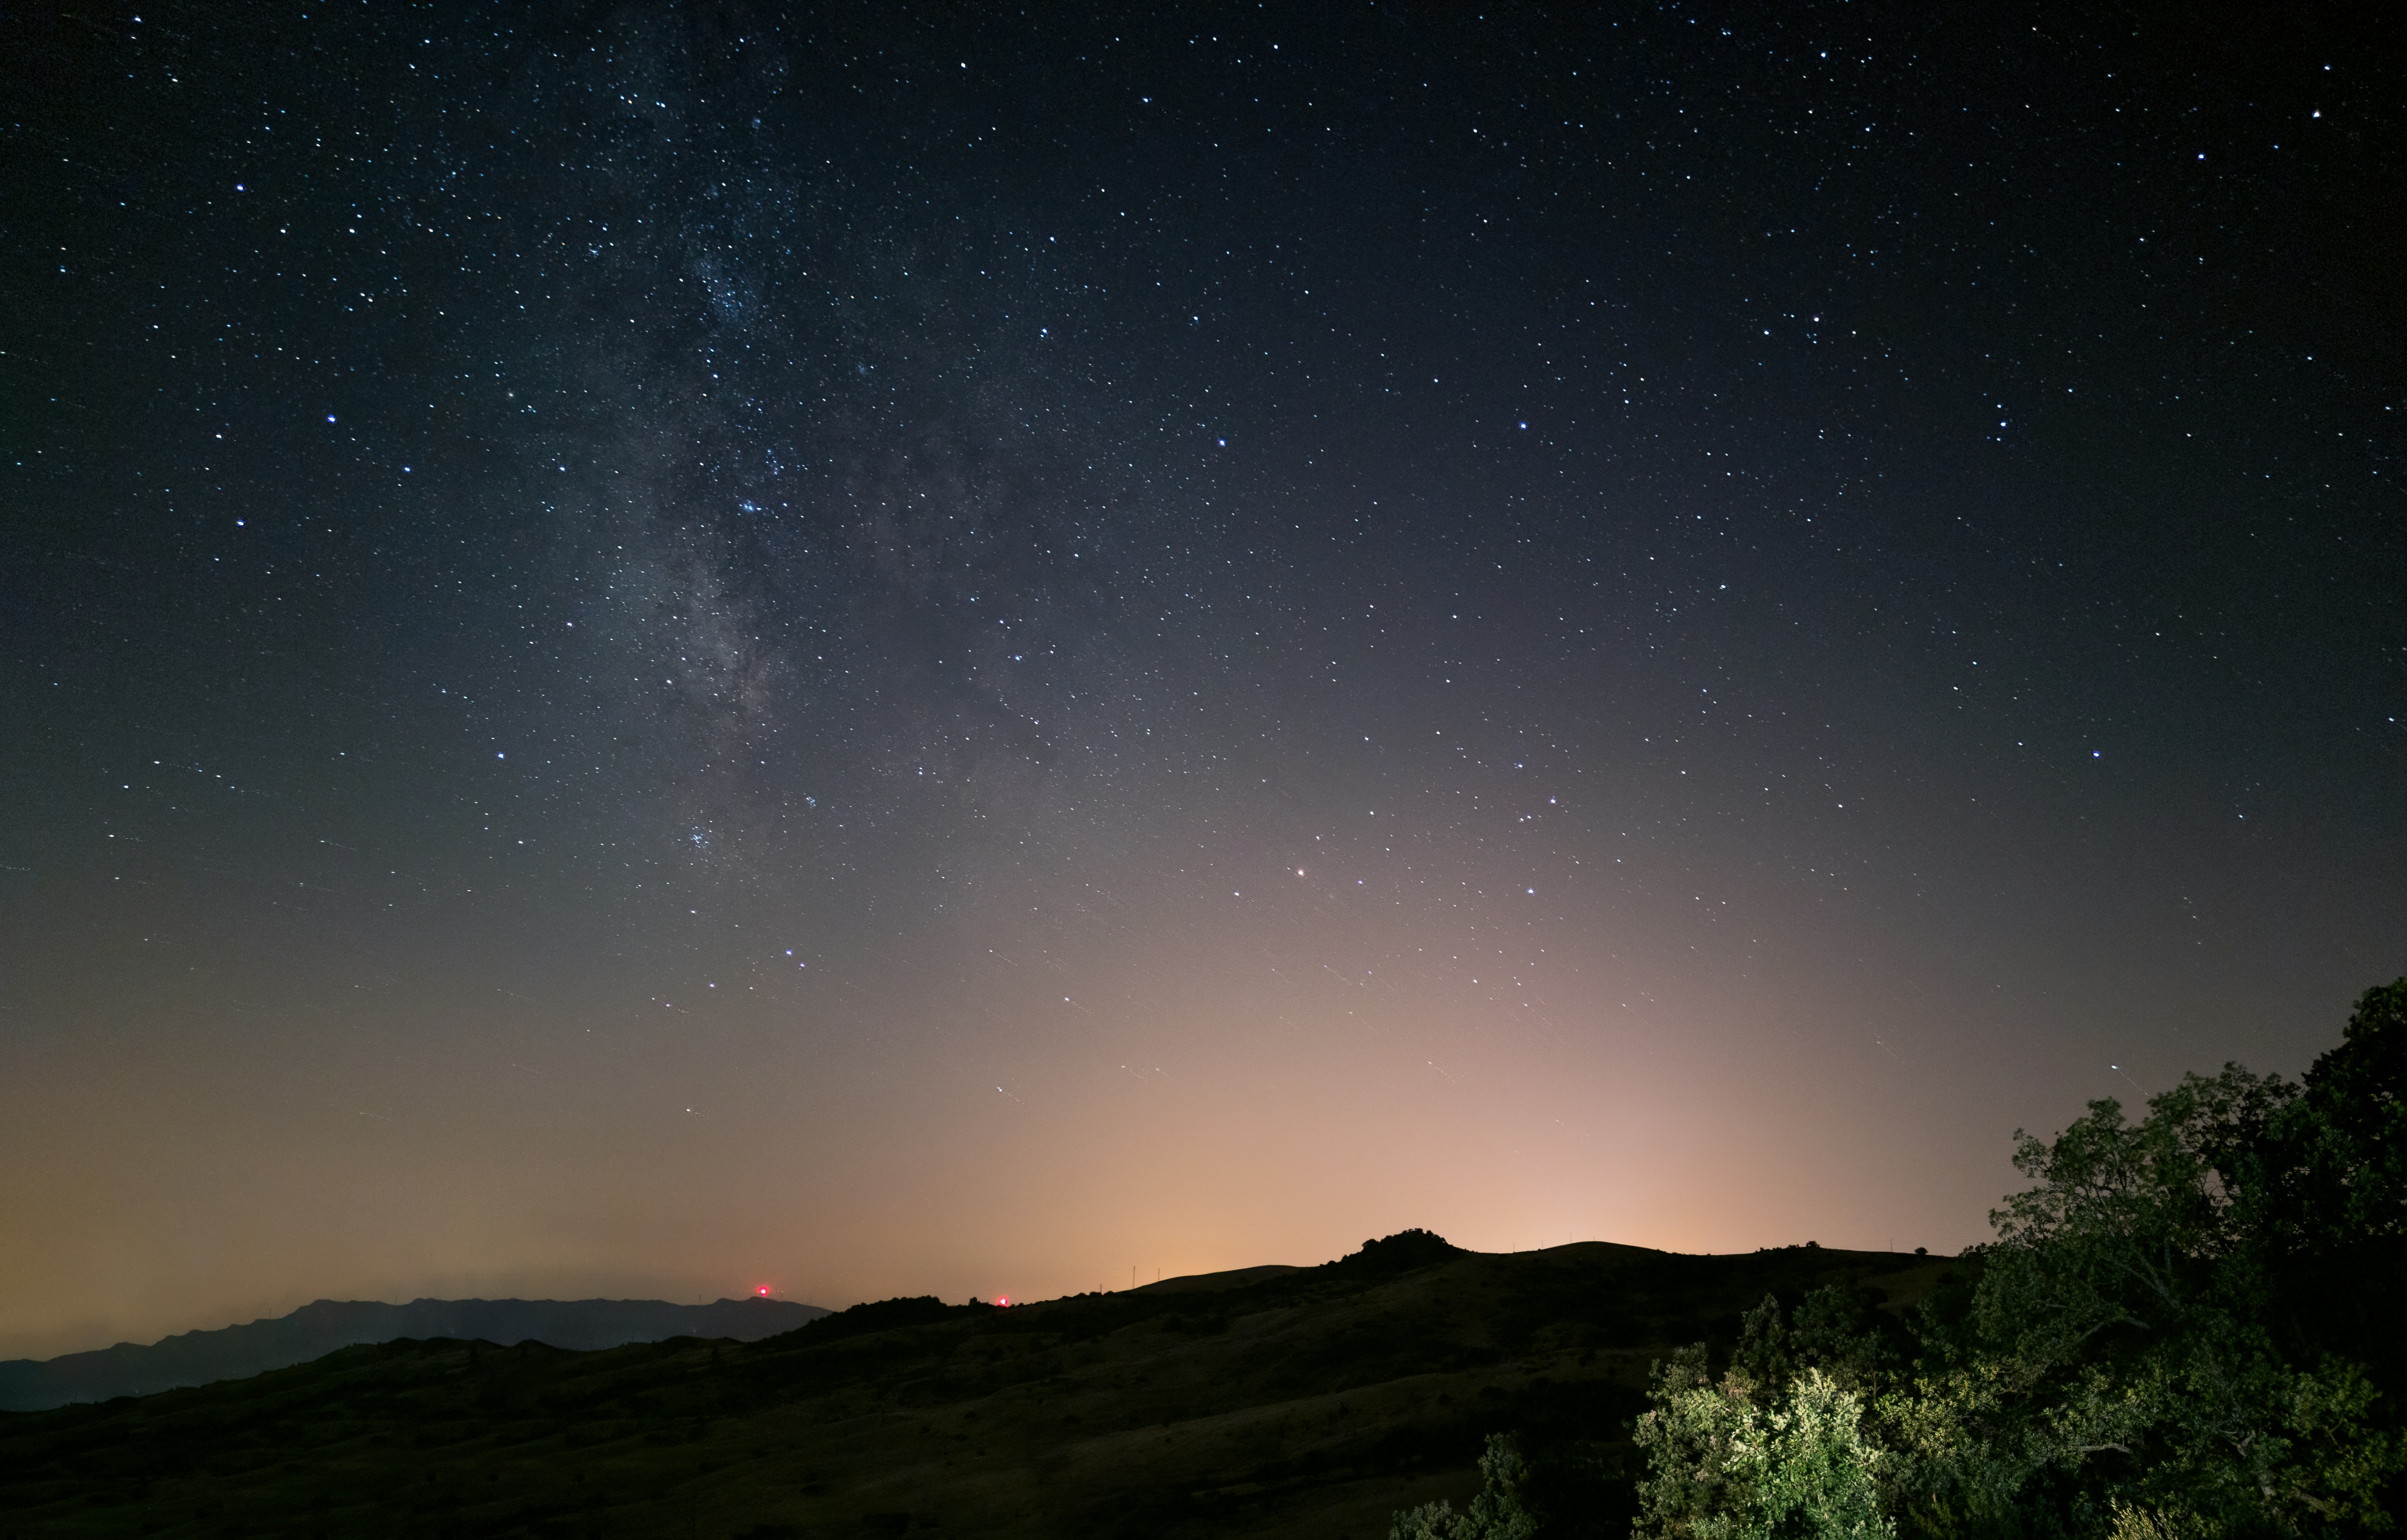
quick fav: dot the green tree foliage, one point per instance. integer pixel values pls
(2117, 1365)
(1501, 1510)
(2177, 1334)
(1778, 1447)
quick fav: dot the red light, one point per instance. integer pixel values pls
(762, 1291)
(1002, 1299)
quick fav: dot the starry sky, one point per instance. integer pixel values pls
(662, 649)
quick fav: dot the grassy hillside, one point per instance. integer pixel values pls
(1305, 1401)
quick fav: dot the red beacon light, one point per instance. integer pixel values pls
(762, 1291)
(1002, 1299)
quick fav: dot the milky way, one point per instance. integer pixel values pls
(677, 650)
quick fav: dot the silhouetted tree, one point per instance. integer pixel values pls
(1399, 1253)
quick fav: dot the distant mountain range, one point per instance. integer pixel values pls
(237, 1352)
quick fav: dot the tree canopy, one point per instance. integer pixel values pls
(2187, 1328)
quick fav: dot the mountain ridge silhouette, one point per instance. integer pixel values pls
(210, 1355)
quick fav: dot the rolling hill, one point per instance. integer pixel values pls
(1270, 1402)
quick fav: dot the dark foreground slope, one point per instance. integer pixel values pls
(237, 1352)
(1311, 1401)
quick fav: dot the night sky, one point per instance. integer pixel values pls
(674, 648)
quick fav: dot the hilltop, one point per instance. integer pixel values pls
(1313, 1400)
